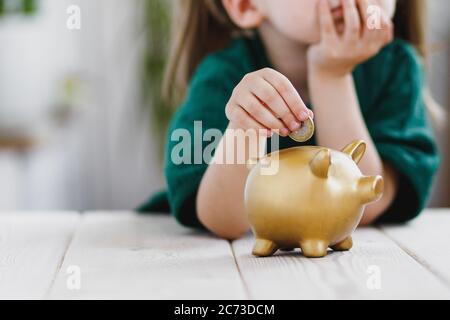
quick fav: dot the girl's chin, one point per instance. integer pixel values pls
(309, 39)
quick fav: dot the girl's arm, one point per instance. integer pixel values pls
(264, 101)
(220, 199)
(333, 94)
(339, 120)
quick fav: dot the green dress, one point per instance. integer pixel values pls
(389, 88)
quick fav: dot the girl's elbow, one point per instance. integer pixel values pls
(375, 210)
(232, 235)
(227, 231)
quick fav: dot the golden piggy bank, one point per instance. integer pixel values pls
(314, 201)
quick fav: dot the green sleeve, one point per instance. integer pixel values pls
(401, 131)
(210, 90)
(158, 203)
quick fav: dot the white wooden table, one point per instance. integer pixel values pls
(123, 255)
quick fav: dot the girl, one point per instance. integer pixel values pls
(265, 64)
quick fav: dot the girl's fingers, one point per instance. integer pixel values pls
(244, 120)
(376, 33)
(296, 108)
(383, 35)
(260, 113)
(370, 17)
(388, 27)
(352, 21)
(327, 28)
(273, 100)
(363, 7)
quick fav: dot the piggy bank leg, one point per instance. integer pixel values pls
(344, 245)
(264, 248)
(314, 248)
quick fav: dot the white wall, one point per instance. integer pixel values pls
(121, 168)
(439, 77)
(105, 158)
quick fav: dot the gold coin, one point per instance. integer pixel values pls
(305, 132)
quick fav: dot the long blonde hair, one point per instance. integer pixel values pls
(201, 27)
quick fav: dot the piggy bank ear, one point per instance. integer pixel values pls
(321, 163)
(355, 150)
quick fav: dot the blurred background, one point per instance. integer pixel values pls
(82, 126)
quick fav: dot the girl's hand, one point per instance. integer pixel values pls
(340, 51)
(267, 100)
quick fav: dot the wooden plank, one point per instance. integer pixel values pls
(128, 256)
(32, 247)
(427, 239)
(376, 268)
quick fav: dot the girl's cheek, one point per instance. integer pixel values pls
(296, 19)
(303, 28)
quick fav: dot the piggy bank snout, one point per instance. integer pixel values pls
(370, 188)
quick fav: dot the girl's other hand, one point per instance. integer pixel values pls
(348, 41)
(267, 100)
